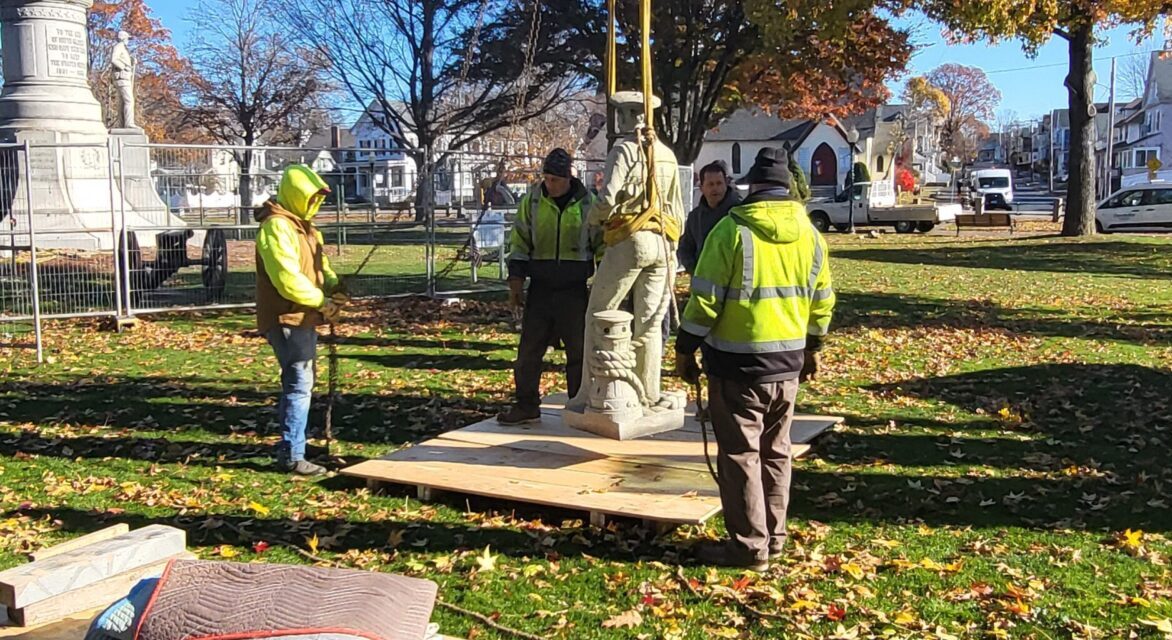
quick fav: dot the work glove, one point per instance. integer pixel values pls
(811, 366)
(340, 298)
(331, 311)
(516, 293)
(687, 368)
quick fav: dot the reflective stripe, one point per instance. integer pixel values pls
(816, 269)
(706, 287)
(517, 255)
(774, 346)
(822, 294)
(766, 293)
(816, 330)
(695, 328)
(746, 259)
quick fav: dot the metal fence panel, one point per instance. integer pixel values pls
(159, 227)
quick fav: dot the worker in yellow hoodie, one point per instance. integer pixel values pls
(296, 291)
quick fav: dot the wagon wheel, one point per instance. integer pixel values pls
(130, 253)
(215, 263)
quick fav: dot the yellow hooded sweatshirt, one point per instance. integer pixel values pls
(293, 276)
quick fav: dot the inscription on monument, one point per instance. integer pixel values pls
(66, 52)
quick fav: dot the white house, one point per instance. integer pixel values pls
(1140, 137)
(822, 147)
(385, 173)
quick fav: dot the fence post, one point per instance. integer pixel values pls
(123, 245)
(113, 226)
(34, 281)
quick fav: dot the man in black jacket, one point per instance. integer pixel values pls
(718, 198)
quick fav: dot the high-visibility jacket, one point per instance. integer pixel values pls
(293, 275)
(553, 246)
(761, 293)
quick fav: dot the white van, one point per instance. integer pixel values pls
(995, 186)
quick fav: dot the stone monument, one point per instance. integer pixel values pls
(47, 100)
(621, 395)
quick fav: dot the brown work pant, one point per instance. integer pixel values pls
(752, 426)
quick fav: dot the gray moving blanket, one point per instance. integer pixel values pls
(196, 600)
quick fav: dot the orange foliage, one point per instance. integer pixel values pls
(162, 73)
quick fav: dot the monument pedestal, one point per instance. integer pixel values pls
(628, 427)
(47, 102)
(614, 408)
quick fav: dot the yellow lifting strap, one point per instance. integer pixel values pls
(620, 227)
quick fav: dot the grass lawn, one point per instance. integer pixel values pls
(1004, 471)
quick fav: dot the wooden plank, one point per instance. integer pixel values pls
(72, 628)
(581, 473)
(79, 542)
(97, 595)
(456, 477)
(36, 581)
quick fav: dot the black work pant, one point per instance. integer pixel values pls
(550, 317)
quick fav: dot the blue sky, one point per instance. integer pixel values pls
(1029, 88)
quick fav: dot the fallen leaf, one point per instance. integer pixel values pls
(835, 612)
(259, 508)
(227, 551)
(260, 546)
(627, 619)
(313, 543)
(486, 561)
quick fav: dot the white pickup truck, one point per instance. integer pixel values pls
(873, 204)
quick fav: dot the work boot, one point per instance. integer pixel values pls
(307, 468)
(520, 415)
(723, 554)
(300, 468)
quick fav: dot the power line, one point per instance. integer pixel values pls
(1063, 64)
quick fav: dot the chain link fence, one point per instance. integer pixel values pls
(120, 228)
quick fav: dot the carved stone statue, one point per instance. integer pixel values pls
(641, 264)
(122, 65)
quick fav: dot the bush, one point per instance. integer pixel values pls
(799, 185)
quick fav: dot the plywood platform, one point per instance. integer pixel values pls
(660, 479)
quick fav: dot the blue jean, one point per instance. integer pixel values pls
(296, 349)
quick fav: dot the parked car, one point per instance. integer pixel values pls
(1141, 207)
(995, 186)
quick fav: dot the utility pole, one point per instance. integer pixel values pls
(1108, 186)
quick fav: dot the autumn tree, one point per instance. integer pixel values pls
(254, 86)
(713, 56)
(961, 99)
(1075, 22)
(405, 62)
(162, 74)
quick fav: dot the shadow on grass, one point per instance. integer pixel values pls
(877, 311)
(336, 535)
(156, 404)
(1091, 452)
(1146, 260)
(438, 362)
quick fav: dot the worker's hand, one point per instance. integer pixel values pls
(340, 298)
(516, 293)
(331, 311)
(687, 368)
(811, 366)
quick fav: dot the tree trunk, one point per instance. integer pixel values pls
(245, 188)
(1080, 190)
(425, 188)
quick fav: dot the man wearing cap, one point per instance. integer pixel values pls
(553, 248)
(761, 304)
(718, 198)
(640, 248)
